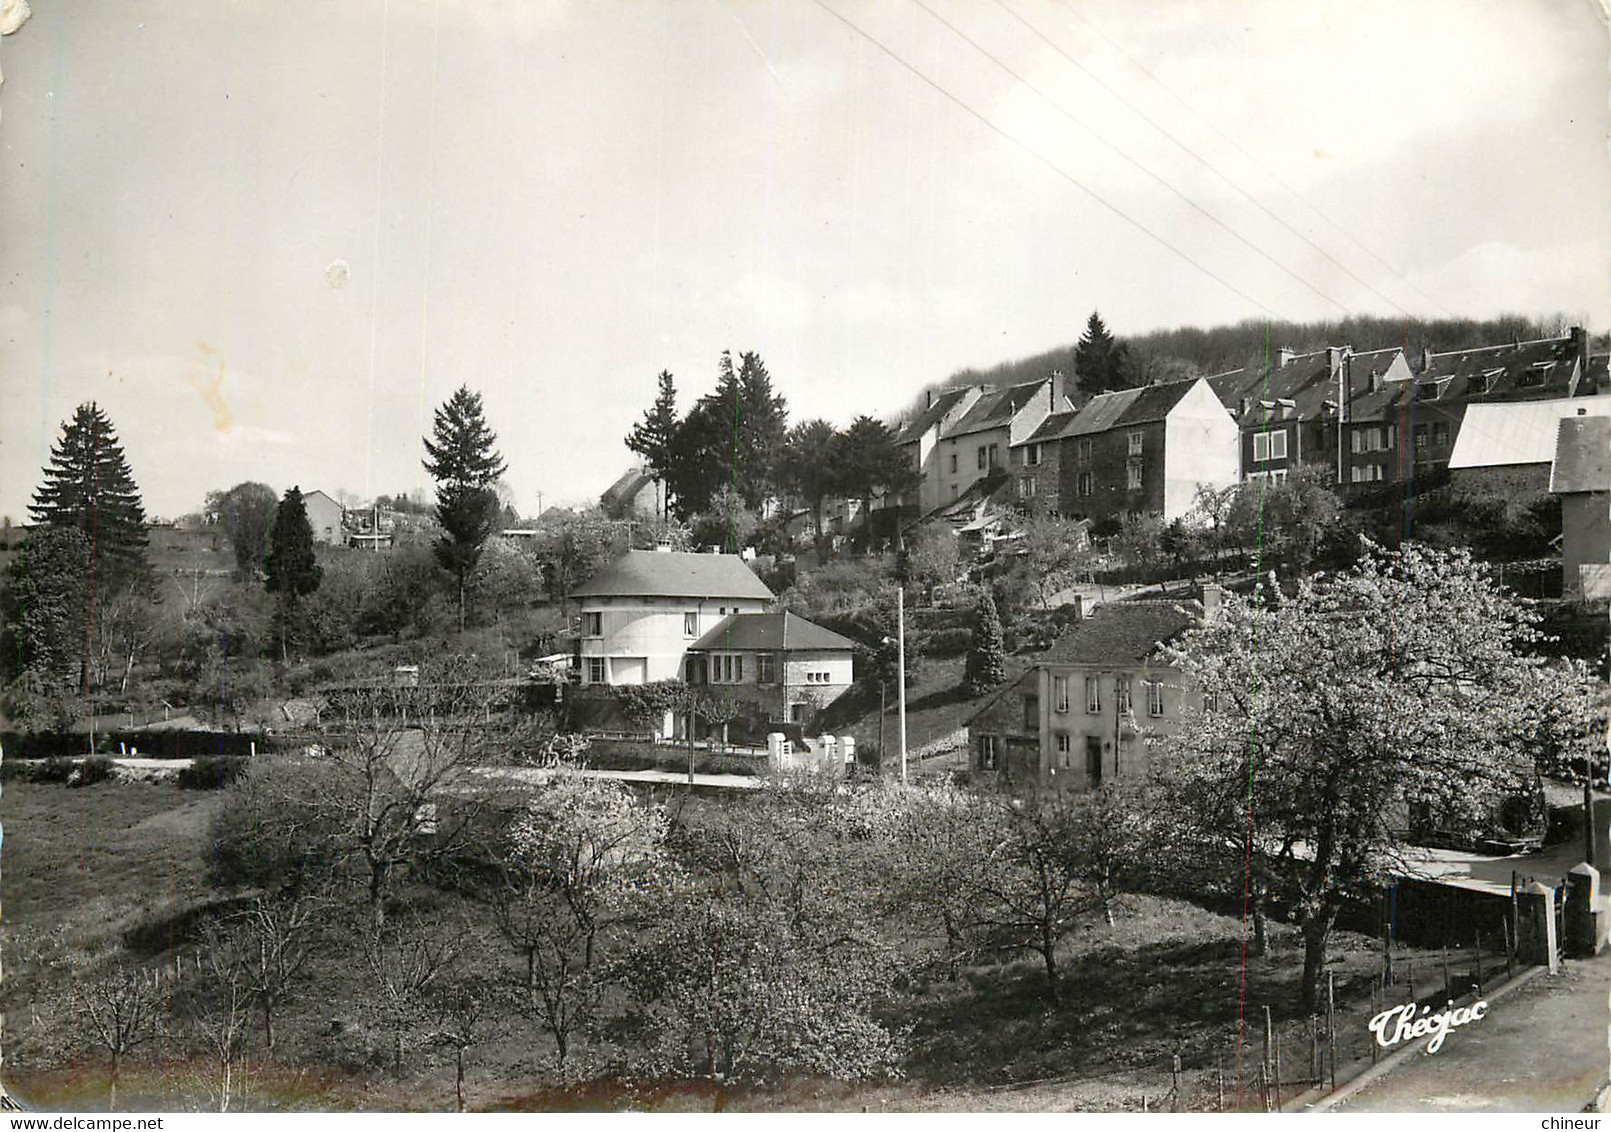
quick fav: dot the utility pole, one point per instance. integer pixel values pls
(900, 671)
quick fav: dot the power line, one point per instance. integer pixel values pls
(1046, 161)
(1272, 174)
(1200, 159)
(1088, 128)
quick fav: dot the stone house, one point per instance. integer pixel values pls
(1080, 717)
(1508, 449)
(1143, 451)
(979, 443)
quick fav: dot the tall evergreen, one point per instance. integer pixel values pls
(986, 664)
(1101, 362)
(290, 571)
(763, 422)
(47, 605)
(88, 485)
(465, 465)
(653, 436)
(732, 437)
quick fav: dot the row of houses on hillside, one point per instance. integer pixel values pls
(1364, 417)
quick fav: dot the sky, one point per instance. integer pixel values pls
(268, 239)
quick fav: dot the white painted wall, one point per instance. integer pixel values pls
(649, 632)
(1201, 446)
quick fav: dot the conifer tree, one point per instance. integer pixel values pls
(986, 663)
(465, 465)
(88, 485)
(652, 437)
(291, 571)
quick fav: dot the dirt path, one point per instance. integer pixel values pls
(1541, 1050)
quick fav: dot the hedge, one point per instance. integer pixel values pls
(212, 773)
(151, 744)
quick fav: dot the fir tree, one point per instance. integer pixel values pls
(88, 485)
(986, 664)
(49, 600)
(290, 571)
(465, 465)
(1101, 362)
(653, 436)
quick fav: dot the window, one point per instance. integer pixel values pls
(766, 669)
(1065, 748)
(953, 461)
(726, 668)
(987, 752)
(1137, 439)
(1082, 450)
(1210, 702)
(1086, 484)
(1270, 445)
(1133, 475)
(1154, 698)
(818, 678)
(1026, 487)
(595, 670)
(994, 462)
(1421, 437)
(1059, 693)
(592, 624)
(984, 454)
(1033, 456)
(1440, 434)
(1366, 473)
(1031, 713)
(1093, 695)
(1121, 693)
(690, 624)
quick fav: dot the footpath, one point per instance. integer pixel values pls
(1542, 1048)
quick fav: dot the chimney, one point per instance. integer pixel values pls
(1579, 338)
(1334, 357)
(1284, 356)
(1246, 405)
(1058, 383)
(1426, 358)
(931, 398)
(1374, 381)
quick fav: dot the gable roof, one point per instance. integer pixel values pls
(672, 573)
(1523, 432)
(1102, 412)
(1051, 428)
(1122, 632)
(1124, 407)
(944, 402)
(778, 631)
(996, 409)
(1582, 456)
(624, 490)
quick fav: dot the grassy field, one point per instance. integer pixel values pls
(89, 870)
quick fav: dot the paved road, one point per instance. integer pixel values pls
(1542, 1049)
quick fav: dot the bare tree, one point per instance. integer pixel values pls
(272, 939)
(464, 1012)
(221, 1012)
(120, 1010)
(406, 961)
(400, 759)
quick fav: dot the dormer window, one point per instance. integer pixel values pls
(1489, 378)
(1432, 390)
(1535, 374)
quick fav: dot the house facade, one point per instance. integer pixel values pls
(919, 438)
(1581, 476)
(778, 666)
(324, 516)
(979, 443)
(1080, 717)
(640, 613)
(1401, 429)
(1144, 451)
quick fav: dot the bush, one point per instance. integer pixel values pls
(212, 772)
(57, 768)
(92, 769)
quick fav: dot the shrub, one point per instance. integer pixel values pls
(212, 773)
(92, 769)
(947, 642)
(57, 768)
